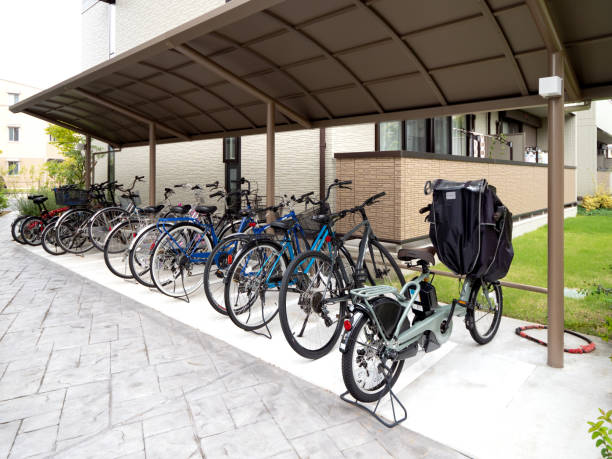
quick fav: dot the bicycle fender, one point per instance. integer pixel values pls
(347, 334)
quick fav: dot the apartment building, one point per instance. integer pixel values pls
(395, 156)
(24, 143)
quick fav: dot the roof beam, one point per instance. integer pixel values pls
(69, 126)
(329, 55)
(277, 68)
(406, 49)
(204, 61)
(520, 78)
(129, 113)
(546, 26)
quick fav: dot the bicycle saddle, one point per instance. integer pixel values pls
(206, 209)
(426, 254)
(40, 199)
(181, 209)
(284, 225)
(152, 209)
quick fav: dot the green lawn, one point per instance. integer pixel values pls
(588, 265)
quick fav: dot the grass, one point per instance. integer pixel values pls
(588, 265)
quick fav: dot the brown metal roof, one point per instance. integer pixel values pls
(332, 62)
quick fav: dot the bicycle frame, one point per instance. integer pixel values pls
(407, 297)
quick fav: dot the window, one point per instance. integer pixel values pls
(416, 135)
(13, 134)
(390, 136)
(13, 97)
(13, 167)
(431, 135)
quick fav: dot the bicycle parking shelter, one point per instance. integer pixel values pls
(266, 66)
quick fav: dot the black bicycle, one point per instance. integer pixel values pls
(315, 288)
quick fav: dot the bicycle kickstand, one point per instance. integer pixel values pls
(392, 397)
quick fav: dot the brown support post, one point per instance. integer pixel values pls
(87, 162)
(556, 119)
(270, 156)
(322, 149)
(152, 164)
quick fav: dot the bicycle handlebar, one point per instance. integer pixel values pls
(427, 208)
(368, 202)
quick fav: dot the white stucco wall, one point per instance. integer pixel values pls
(94, 34)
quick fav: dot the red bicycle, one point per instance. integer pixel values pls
(31, 227)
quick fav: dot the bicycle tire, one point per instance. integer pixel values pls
(348, 373)
(16, 229)
(70, 232)
(216, 268)
(309, 303)
(231, 279)
(160, 246)
(140, 255)
(389, 259)
(100, 221)
(116, 249)
(31, 230)
(471, 320)
(49, 243)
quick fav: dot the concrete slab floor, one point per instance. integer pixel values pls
(87, 372)
(498, 400)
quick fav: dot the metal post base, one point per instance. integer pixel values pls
(372, 412)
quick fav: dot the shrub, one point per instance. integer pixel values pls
(3, 198)
(25, 206)
(600, 199)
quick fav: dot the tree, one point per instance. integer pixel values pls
(70, 171)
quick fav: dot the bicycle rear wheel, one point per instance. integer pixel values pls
(31, 230)
(49, 243)
(253, 283)
(309, 309)
(71, 231)
(362, 364)
(217, 266)
(177, 262)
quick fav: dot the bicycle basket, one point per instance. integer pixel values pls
(70, 196)
(125, 201)
(311, 227)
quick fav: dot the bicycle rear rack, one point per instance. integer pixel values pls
(392, 397)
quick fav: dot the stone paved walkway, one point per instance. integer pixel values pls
(86, 372)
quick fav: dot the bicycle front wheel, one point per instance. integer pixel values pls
(31, 230)
(117, 248)
(484, 318)
(140, 255)
(177, 262)
(310, 308)
(71, 231)
(380, 267)
(103, 222)
(49, 243)
(16, 229)
(253, 283)
(216, 268)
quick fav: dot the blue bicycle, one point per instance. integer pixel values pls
(252, 282)
(183, 247)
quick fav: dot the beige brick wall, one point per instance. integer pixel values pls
(396, 217)
(604, 180)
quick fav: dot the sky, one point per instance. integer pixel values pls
(40, 41)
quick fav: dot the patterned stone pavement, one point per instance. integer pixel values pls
(86, 372)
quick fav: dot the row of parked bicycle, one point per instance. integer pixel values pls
(256, 263)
